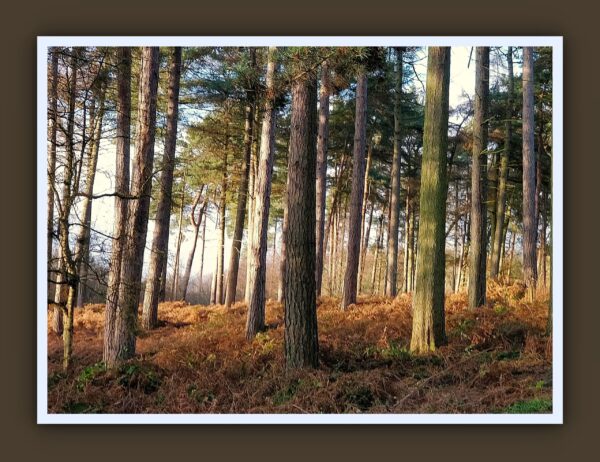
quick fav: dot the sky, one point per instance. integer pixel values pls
(462, 80)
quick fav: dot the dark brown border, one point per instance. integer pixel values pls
(23, 438)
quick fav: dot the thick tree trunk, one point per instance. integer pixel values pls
(392, 244)
(301, 338)
(122, 344)
(477, 266)
(497, 237)
(262, 201)
(321, 185)
(155, 280)
(251, 182)
(240, 217)
(356, 195)
(529, 171)
(428, 304)
(121, 213)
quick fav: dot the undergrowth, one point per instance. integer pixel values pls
(498, 359)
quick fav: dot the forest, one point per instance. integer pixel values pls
(299, 229)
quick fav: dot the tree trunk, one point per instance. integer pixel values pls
(175, 281)
(498, 241)
(477, 270)
(123, 135)
(219, 295)
(529, 218)
(408, 244)
(356, 196)
(68, 280)
(240, 217)
(196, 225)
(262, 201)
(378, 246)
(428, 304)
(283, 258)
(52, 130)
(363, 218)
(321, 185)
(83, 240)
(160, 240)
(365, 248)
(300, 337)
(122, 344)
(392, 244)
(201, 277)
(251, 182)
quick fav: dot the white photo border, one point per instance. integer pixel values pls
(556, 417)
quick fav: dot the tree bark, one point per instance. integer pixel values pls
(300, 337)
(122, 344)
(477, 266)
(322, 140)
(121, 213)
(498, 241)
(240, 217)
(356, 195)
(52, 130)
(255, 320)
(68, 267)
(251, 181)
(392, 244)
(428, 330)
(529, 180)
(160, 240)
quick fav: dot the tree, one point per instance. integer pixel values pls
(321, 186)
(83, 239)
(428, 329)
(196, 224)
(123, 136)
(257, 255)
(477, 267)
(68, 282)
(499, 230)
(358, 184)
(392, 245)
(121, 345)
(160, 239)
(238, 233)
(52, 129)
(529, 177)
(300, 336)
(57, 321)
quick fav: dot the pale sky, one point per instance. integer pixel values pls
(462, 80)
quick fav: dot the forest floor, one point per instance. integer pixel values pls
(498, 359)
